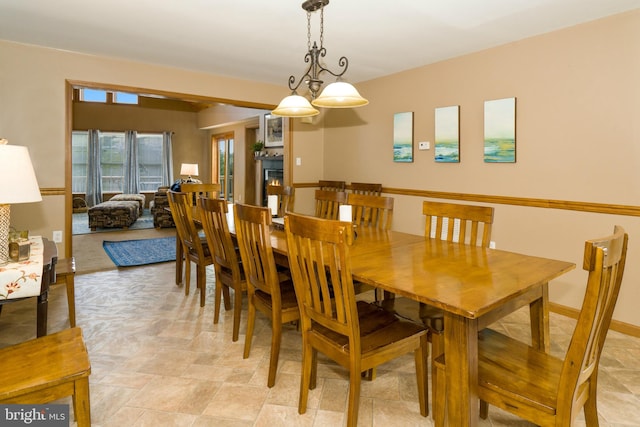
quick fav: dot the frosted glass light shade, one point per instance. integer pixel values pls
(190, 169)
(339, 95)
(17, 174)
(295, 106)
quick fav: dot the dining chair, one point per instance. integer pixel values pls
(328, 203)
(369, 189)
(332, 185)
(286, 197)
(226, 259)
(269, 289)
(537, 386)
(465, 224)
(357, 335)
(210, 190)
(195, 247)
(371, 211)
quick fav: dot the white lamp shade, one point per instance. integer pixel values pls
(295, 106)
(345, 213)
(339, 95)
(190, 169)
(17, 175)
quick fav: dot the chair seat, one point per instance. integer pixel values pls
(500, 357)
(378, 328)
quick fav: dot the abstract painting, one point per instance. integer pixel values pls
(447, 134)
(403, 137)
(500, 131)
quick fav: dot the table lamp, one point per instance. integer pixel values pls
(19, 186)
(189, 169)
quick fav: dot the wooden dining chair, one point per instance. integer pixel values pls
(357, 335)
(195, 247)
(332, 185)
(42, 370)
(210, 190)
(539, 387)
(269, 290)
(369, 189)
(371, 211)
(286, 197)
(328, 203)
(226, 259)
(465, 224)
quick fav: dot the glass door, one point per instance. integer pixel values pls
(224, 151)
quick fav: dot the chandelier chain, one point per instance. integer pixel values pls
(308, 30)
(321, 26)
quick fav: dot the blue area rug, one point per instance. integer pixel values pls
(129, 253)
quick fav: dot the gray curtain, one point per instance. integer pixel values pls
(167, 159)
(131, 175)
(94, 172)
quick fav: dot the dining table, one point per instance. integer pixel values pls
(474, 286)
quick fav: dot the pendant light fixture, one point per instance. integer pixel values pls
(339, 94)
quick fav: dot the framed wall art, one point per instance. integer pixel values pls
(273, 136)
(500, 131)
(403, 137)
(447, 134)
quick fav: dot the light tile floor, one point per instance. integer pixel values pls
(158, 360)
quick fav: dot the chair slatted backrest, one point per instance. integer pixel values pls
(198, 189)
(252, 225)
(213, 216)
(319, 261)
(328, 203)
(286, 197)
(371, 211)
(369, 189)
(453, 222)
(182, 213)
(605, 260)
(332, 185)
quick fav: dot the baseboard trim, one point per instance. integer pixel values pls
(616, 325)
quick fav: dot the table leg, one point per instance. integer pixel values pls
(461, 350)
(539, 313)
(42, 312)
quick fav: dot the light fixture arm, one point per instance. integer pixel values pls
(312, 76)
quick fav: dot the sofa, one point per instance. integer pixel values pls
(159, 207)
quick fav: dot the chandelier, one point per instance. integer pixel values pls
(338, 94)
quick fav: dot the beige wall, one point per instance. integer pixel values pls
(578, 119)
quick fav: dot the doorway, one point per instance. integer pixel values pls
(198, 102)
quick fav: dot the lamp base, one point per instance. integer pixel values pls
(5, 221)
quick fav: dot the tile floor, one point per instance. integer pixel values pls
(158, 360)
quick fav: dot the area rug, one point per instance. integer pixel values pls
(80, 223)
(130, 253)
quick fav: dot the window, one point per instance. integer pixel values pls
(79, 159)
(94, 95)
(112, 161)
(125, 98)
(150, 161)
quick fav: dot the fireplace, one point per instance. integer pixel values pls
(271, 172)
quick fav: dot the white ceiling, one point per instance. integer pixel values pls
(266, 40)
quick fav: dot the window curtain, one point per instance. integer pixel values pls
(94, 171)
(131, 175)
(167, 159)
